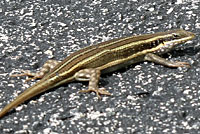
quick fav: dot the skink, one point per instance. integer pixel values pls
(88, 63)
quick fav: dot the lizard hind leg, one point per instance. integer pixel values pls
(92, 75)
(47, 67)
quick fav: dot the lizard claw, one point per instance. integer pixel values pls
(101, 91)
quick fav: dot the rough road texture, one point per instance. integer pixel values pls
(146, 98)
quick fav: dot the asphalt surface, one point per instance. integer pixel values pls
(146, 98)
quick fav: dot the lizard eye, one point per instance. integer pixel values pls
(175, 35)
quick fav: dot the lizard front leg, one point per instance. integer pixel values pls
(157, 59)
(46, 68)
(92, 75)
